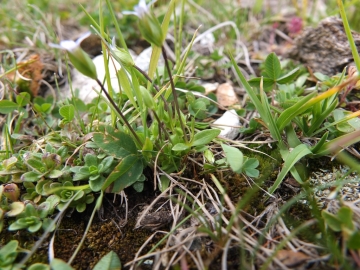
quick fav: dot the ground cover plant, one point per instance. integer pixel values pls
(141, 176)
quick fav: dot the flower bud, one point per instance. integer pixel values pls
(82, 62)
(122, 56)
(147, 98)
(77, 56)
(150, 29)
(149, 26)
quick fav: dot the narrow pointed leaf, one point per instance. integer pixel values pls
(294, 156)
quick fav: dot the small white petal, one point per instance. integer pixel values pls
(127, 12)
(82, 37)
(140, 9)
(57, 46)
(113, 43)
(69, 45)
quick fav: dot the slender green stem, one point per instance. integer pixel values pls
(119, 112)
(349, 35)
(96, 208)
(155, 86)
(161, 127)
(174, 93)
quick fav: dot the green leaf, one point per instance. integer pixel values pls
(267, 82)
(345, 214)
(39, 266)
(138, 186)
(289, 77)
(331, 220)
(250, 167)
(54, 174)
(96, 183)
(319, 118)
(115, 143)
(58, 264)
(106, 162)
(294, 156)
(36, 164)
(9, 250)
(234, 157)
(180, 147)
(35, 227)
(338, 143)
(16, 226)
(252, 172)
(320, 143)
(124, 165)
(45, 108)
(205, 136)
(81, 173)
(15, 209)
(80, 207)
(67, 112)
(129, 177)
(23, 99)
(272, 66)
(354, 241)
(321, 76)
(290, 113)
(91, 160)
(7, 106)
(110, 261)
(30, 177)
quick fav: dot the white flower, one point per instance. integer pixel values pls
(77, 56)
(70, 45)
(140, 9)
(149, 26)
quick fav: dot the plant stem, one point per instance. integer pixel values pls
(119, 112)
(155, 86)
(174, 92)
(349, 35)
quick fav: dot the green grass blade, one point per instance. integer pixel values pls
(290, 113)
(116, 24)
(156, 52)
(294, 156)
